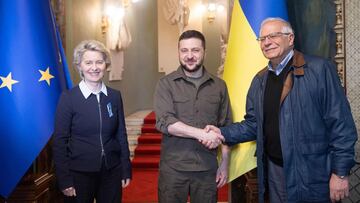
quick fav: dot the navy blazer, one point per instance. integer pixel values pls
(317, 130)
(79, 123)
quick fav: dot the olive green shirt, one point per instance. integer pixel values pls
(176, 99)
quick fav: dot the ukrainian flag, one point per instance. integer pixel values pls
(243, 60)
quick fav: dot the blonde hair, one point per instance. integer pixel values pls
(90, 45)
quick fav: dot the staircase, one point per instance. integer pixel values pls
(144, 144)
(134, 123)
(147, 152)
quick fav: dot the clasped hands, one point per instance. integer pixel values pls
(212, 137)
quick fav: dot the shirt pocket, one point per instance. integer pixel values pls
(183, 107)
(209, 107)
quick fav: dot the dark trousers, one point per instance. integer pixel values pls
(104, 186)
(175, 186)
(276, 181)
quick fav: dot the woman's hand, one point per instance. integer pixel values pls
(125, 183)
(69, 192)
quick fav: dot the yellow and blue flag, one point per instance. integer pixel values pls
(243, 60)
(32, 76)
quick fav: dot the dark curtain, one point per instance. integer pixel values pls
(313, 22)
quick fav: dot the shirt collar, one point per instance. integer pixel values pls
(179, 73)
(87, 92)
(282, 64)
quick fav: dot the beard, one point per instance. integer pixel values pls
(197, 67)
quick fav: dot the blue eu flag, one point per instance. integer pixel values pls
(31, 79)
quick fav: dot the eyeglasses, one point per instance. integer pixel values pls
(272, 36)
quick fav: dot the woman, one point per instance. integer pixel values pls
(90, 148)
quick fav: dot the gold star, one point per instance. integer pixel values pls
(8, 82)
(45, 75)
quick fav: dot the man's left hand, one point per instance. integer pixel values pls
(339, 188)
(222, 174)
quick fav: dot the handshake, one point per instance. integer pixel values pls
(211, 137)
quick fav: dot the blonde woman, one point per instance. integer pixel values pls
(90, 148)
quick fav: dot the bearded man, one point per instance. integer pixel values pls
(185, 101)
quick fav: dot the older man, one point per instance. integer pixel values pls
(297, 112)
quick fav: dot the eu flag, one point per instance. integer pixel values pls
(31, 79)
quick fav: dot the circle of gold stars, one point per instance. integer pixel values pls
(9, 81)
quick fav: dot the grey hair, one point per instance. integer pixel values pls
(286, 27)
(90, 45)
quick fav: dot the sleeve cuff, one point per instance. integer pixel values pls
(166, 122)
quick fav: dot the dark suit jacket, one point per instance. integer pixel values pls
(82, 127)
